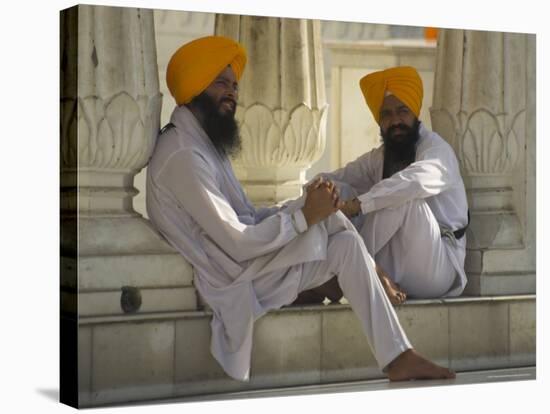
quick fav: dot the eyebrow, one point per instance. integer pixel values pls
(226, 80)
(386, 110)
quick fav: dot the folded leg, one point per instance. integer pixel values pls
(406, 242)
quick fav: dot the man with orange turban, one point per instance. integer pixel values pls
(248, 261)
(407, 197)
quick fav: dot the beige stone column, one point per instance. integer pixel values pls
(484, 105)
(282, 106)
(110, 109)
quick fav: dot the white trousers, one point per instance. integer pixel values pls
(406, 242)
(348, 258)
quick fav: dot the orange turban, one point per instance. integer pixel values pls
(402, 81)
(196, 64)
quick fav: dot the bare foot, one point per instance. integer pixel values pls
(395, 294)
(410, 365)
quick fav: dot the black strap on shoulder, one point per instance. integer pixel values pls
(460, 232)
(166, 127)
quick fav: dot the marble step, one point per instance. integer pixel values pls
(166, 355)
(462, 378)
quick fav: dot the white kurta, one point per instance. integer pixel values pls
(434, 178)
(249, 261)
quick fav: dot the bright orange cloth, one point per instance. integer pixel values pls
(196, 64)
(430, 33)
(403, 81)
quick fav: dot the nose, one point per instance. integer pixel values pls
(232, 92)
(395, 119)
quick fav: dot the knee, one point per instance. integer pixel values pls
(416, 206)
(350, 255)
(419, 210)
(348, 237)
(344, 242)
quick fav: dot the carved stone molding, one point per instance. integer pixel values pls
(114, 134)
(278, 138)
(486, 147)
(486, 143)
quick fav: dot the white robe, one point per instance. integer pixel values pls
(249, 261)
(434, 177)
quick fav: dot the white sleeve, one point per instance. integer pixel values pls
(297, 217)
(191, 181)
(358, 174)
(434, 171)
(264, 212)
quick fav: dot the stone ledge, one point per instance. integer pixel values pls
(166, 355)
(194, 314)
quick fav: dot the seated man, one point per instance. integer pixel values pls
(410, 205)
(248, 261)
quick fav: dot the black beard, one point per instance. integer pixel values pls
(222, 129)
(399, 153)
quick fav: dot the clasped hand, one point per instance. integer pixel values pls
(322, 199)
(351, 207)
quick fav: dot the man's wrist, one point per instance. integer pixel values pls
(299, 221)
(356, 204)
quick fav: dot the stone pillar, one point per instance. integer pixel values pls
(484, 105)
(110, 107)
(282, 107)
(173, 28)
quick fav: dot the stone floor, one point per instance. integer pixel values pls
(462, 378)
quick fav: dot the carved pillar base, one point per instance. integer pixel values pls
(495, 262)
(494, 223)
